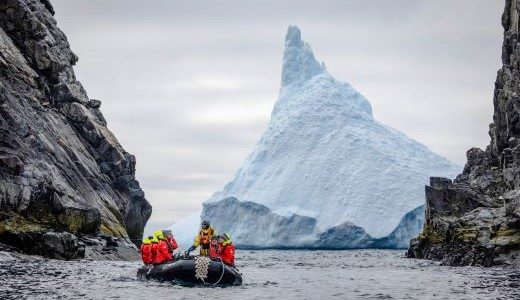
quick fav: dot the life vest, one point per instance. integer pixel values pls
(204, 238)
(205, 235)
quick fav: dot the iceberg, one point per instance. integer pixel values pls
(325, 173)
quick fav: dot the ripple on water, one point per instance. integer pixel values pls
(357, 274)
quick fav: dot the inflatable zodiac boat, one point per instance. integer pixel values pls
(193, 270)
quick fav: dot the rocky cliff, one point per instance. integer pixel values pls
(475, 220)
(67, 187)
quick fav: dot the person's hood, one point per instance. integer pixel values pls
(167, 233)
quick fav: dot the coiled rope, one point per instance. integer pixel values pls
(202, 264)
(202, 267)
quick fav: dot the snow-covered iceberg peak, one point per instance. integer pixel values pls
(306, 85)
(299, 63)
(325, 173)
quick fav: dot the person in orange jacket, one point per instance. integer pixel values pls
(214, 247)
(202, 239)
(147, 253)
(227, 250)
(163, 249)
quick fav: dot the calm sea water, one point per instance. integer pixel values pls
(359, 274)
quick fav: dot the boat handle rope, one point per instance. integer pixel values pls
(221, 275)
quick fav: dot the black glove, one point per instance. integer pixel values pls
(187, 252)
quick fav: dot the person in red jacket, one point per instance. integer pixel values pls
(214, 247)
(164, 249)
(155, 246)
(170, 240)
(146, 251)
(227, 250)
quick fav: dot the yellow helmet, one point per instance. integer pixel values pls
(147, 240)
(158, 234)
(227, 239)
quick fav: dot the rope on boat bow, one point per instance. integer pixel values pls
(202, 267)
(202, 264)
(221, 275)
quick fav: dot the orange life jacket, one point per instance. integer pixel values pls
(205, 237)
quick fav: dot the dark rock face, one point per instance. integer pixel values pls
(476, 219)
(64, 177)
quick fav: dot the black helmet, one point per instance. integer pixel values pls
(205, 224)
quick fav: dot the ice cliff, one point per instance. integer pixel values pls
(67, 187)
(325, 173)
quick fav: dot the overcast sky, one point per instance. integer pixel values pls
(188, 86)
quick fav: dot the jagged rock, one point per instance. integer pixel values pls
(63, 174)
(93, 103)
(106, 247)
(52, 244)
(62, 245)
(475, 220)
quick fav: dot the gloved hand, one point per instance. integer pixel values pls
(187, 252)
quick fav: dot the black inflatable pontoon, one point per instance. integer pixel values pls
(184, 270)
